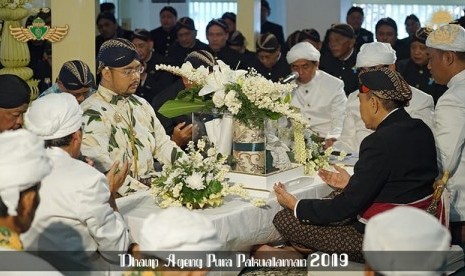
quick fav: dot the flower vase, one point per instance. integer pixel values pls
(216, 126)
(249, 148)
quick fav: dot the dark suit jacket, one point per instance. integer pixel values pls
(279, 71)
(277, 30)
(170, 93)
(397, 164)
(342, 69)
(363, 36)
(156, 80)
(420, 77)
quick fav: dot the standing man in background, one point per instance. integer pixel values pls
(270, 27)
(355, 18)
(165, 35)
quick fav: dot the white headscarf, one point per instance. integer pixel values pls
(23, 163)
(406, 228)
(375, 53)
(303, 50)
(178, 229)
(54, 116)
(448, 38)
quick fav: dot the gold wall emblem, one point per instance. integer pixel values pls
(39, 31)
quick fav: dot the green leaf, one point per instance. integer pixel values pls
(134, 101)
(288, 98)
(174, 108)
(93, 115)
(174, 152)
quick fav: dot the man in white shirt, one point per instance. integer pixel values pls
(23, 163)
(447, 65)
(319, 96)
(77, 223)
(421, 105)
(119, 125)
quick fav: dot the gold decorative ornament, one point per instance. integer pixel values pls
(445, 35)
(38, 31)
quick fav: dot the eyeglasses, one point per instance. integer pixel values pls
(129, 71)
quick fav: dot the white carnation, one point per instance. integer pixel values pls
(195, 181)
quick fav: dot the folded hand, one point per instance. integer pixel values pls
(116, 176)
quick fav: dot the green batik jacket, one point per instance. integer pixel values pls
(118, 128)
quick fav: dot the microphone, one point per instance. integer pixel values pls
(292, 76)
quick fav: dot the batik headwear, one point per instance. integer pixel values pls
(422, 34)
(236, 39)
(449, 37)
(54, 116)
(375, 53)
(201, 58)
(410, 229)
(218, 22)
(14, 91)
(185, 22)
(267, 43)
(178, 229)
(116, 52)
(311, 34)
(342, 29)
(141, 34)
(76, 74)
(23, 163)
(386, 21)
(386, 84)
(303, 50)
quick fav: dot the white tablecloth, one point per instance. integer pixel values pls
(240, 224)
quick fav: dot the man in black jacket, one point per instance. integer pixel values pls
(397, 166)
(270, 27)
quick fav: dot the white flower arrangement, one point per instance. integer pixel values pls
(239, 92)
(309, 151)
(196, 180)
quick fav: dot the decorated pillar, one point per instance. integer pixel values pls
(80, 41)
(14, 54)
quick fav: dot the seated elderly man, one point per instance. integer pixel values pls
(15, 95)
(23, 164)
(121, 126)
(77, 213)
(378, 54)
(319, 96)
(74, 78)
(397, 166)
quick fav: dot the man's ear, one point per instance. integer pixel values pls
(449, 57)
(27, 206)
(106, 74)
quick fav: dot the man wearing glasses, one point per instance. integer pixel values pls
(119, 125)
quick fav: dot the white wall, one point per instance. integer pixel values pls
(305, 14)
(145, 14)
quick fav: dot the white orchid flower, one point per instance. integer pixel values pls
(219, 78)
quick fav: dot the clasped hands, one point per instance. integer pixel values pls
(337, 180)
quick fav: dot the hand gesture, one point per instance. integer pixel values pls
(284, 198)
(338, 180)
(182, 134)
(116, 176)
